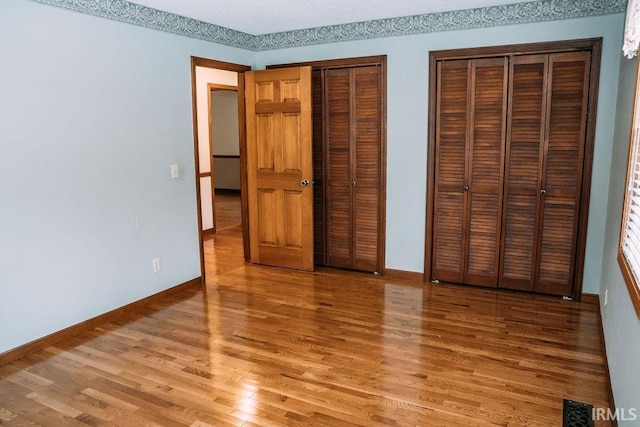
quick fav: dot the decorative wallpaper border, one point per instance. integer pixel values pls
(533, 11)
(131, 13)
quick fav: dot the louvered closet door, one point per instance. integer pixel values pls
(353, 162)
(470, 134)
(366, 170)
(545, 146)
(337, 94)
(562, 171)
(450, 179)
(318, 165)
(485, 159)
(523, 170)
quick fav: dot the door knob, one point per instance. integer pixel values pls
(466, 188)
(304, 182)
(543, 191)
(353, 183)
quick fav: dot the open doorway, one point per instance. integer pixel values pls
(215, 88)
(224, 249)
(224, 138)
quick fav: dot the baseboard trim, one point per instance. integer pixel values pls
(595, 299)
(70, 332)
(403, 275)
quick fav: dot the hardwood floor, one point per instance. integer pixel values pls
(267, 346)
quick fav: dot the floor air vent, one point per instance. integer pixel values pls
(577, 414)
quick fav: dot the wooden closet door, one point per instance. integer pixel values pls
(545, 156)
(367, 167)
(485, 166)
(318, 166)
(353, 164)
(450, 174)
(562, 171)
(523, 170)
(470, 134)
(338, 153)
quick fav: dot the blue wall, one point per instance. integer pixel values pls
(92, 115)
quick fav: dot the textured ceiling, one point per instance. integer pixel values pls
(259, 17)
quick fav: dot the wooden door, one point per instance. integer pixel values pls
(470, 134)
(568, 95)
(318, 167)
(545, 145)
(354, 169)
(338, 147)
(450, 171)
(279, 167)
(367, 168)
(523, 170)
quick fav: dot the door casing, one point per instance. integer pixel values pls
(240, 69)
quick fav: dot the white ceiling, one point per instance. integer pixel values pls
(259, 17)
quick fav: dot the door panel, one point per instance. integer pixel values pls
(267, 211)
(470, 133)
(278, 106)
(367, 164)
(291, 138)
(562, 176)
(353, 152)
(318, 168)
(523, 170)
(265, 136)
(545, 154)
(338, 167)
(451, 141)
(485, 157)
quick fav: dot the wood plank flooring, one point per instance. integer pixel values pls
(272, 347)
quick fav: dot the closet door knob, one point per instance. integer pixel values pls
(304, 182)
(543, 191)
(353, 183)
(466, 188)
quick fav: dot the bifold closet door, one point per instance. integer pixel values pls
(353, 162)
(318, 167)
(470, 135)
(523, 170)
(544, 170)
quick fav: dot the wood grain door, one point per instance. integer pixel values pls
(279, 167)
(353, 152)
(368, 166)
(450, 201)
(561, 186)
(470, 134)
(544, 171)
(338, 154)
(523, 170)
